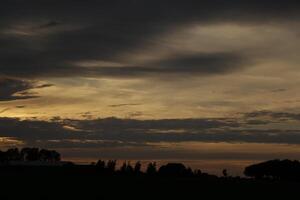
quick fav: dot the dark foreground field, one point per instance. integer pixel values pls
(88, 182)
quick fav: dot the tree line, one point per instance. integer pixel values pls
(29, 154)
(170, 169)
(273, 169)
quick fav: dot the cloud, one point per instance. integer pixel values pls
(4, 110)
(21, 106)
(9, 88)
(16, 89)
(274, 116)
(124, 104)
(216, 63)
(114, 132)
(200, 64)
(43, 86)
(107, 31)
(279, 90)
(49, 24)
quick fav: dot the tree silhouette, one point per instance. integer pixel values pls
(224, 172)
(55, 156)
(49, 156)
(151, 169)
(198, 172)
(129, 168)
(3, 157)
(111, 165)
(137, 167)
(173, 169)
(30, 154)
(123, 167)
(13, 155)
(275, 169)
(100, 164)
(126, 168)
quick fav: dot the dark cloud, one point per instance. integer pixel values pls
(10, 87)
(274, 116)
(49, 24)
(16, 89)
(113, 132)
(21, 106)
(31, 130)
(279, 90)
(44, 85)
(85, 144)
(124, 104)
(46, 38)
(202, 63)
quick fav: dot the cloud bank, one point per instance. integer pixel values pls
(128, 132)
(47, 39)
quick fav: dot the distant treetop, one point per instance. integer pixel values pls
(29, 154)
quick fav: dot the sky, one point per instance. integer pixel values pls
(206, 81)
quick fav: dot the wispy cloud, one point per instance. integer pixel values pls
(124, 104)
(16, 89)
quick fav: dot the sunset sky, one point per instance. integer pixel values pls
(212, 82)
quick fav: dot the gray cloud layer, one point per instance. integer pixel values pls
(45, 38)
(113, 132)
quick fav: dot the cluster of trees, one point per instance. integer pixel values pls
(275, 169)
(29, 154)
(171, 169)
(126, 168)
(109, 166)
